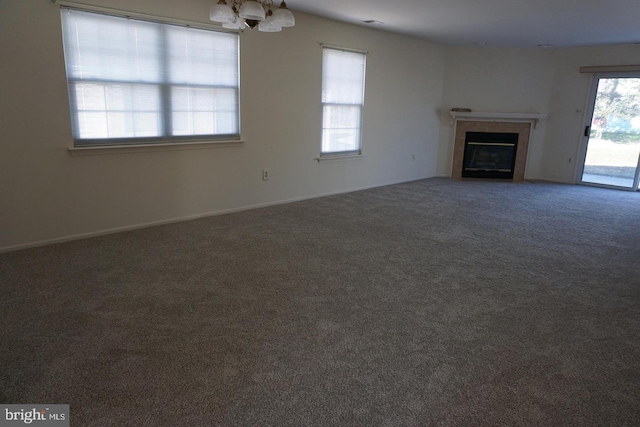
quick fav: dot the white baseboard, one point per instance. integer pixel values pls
(192, 217)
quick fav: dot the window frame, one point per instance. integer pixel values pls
(327, 155)
(164, 88)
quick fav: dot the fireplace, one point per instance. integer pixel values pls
(495, 124)
(489, 155)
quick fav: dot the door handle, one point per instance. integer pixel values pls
(586, 130)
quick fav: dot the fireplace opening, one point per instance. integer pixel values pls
(489, 155)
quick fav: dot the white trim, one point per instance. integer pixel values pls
(610, 69)
(586, 121)
(607, 186)
(344, 49)
(330, 158)
(140, 148)
(361, 105)
(636, 178)
(163, 86)
(526, 163)
(144, 16)
(453, 147)
(497, 117)
(197, 216)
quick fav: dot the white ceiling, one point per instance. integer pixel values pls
(499, 23)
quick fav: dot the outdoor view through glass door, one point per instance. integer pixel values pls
(613, 147)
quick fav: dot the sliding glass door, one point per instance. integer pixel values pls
(611, 154)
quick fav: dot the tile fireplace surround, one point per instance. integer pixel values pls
(522, 124)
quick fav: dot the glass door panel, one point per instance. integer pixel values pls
(613, 147)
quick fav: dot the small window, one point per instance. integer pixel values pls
(133, 81)
(342, 101)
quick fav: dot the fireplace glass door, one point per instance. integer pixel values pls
(489, 155)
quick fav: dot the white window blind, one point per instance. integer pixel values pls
(137, 81)
(343, 74)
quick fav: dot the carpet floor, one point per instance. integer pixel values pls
(430, 303)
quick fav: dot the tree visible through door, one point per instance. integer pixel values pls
(614, 135)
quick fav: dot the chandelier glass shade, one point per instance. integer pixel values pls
(252, 10)
(283, 17)
(222, 13)
(238, 14)
(267, 25)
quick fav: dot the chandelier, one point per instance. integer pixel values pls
(238, 13)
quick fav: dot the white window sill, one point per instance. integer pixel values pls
(323, 159)
(139, 148)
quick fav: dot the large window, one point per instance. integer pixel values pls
(342, 101)
(134, 81)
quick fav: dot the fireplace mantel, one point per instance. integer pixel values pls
(472, 121)
(532, 118)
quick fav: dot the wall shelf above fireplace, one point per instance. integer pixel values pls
(532, 118)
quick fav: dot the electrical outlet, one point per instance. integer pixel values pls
(413, 157)
(570, 159)
(265, 174)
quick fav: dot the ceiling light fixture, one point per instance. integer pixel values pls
(236, 14)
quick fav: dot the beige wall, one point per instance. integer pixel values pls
(532, 80)
(496, 80)
(47, 194)
(569, 93)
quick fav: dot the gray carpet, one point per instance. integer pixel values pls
(436, 302)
